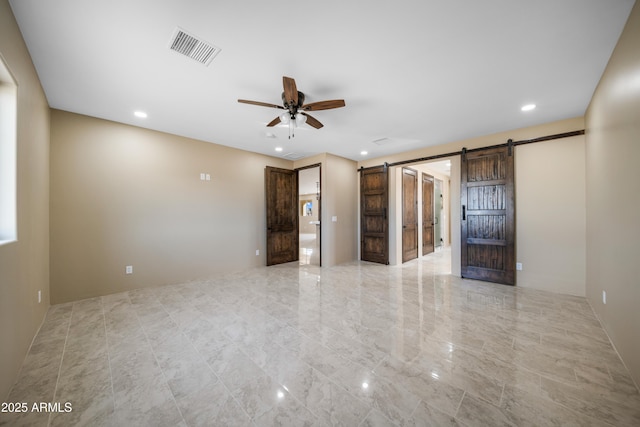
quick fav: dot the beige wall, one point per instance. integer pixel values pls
(24, 265)
(123, 195)
(613, 186)
(550, 215)
(562, 162)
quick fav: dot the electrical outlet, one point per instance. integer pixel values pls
(604, 297)
(519, 266)
(128, 269)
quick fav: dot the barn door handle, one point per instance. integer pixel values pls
(464, 212)
(384, 212)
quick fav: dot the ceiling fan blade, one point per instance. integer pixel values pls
(273, 122)
(290, 90)
(324, 105)
(261, 104)
(311, 121)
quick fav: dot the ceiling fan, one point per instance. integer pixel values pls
(293, 103)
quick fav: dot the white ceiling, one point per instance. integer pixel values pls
(416, 72)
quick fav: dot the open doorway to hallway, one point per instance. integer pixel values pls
(309, 198)
(432, 211)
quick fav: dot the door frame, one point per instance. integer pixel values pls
(319, 166)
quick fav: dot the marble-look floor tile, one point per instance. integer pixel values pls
(149, 402)
(24, 419)
(210, 405)
(595, 401)
(358, 344)
(89, 396)
(425, 415)
(425, 384)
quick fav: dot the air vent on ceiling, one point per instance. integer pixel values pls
(394, 141)
(382, 141)
(294, 156)
(189, 45)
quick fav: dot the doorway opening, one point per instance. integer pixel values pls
(309, 200)
(433, 216)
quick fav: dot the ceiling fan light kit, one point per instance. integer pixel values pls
(293, 103)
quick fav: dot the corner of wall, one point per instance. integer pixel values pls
(24, 264)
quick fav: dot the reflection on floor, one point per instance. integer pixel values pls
(354, 345)
(309, 249)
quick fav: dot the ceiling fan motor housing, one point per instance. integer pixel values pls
(293, 108)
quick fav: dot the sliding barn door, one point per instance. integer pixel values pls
(374, 222)
(427, 214)
(409, 214)
(488, 216)
(281, 188)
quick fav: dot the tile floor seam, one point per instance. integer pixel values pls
(553, 402)
(365, 417)
(501, 395)
(155, 357)
(310, 367)
(415, 408)
(464, 393)
(106, 338)
(64, 347)
(44, 320)
(237, 402)
(549, 398)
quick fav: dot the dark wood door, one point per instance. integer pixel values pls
(409, 214)
(374, 223)
(281, 189)
(427, 214)
(488, 216)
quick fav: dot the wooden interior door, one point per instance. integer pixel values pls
(488, 216)
(374, 222)
(427, 214)
(281, 190)
(409, 214)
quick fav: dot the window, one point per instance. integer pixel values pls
(8, 123)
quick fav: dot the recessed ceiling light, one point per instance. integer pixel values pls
(140, 114)
(278, 149)
(528, 107)
(363, 153)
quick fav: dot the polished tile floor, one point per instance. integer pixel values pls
(309, 249)
(352, 345)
